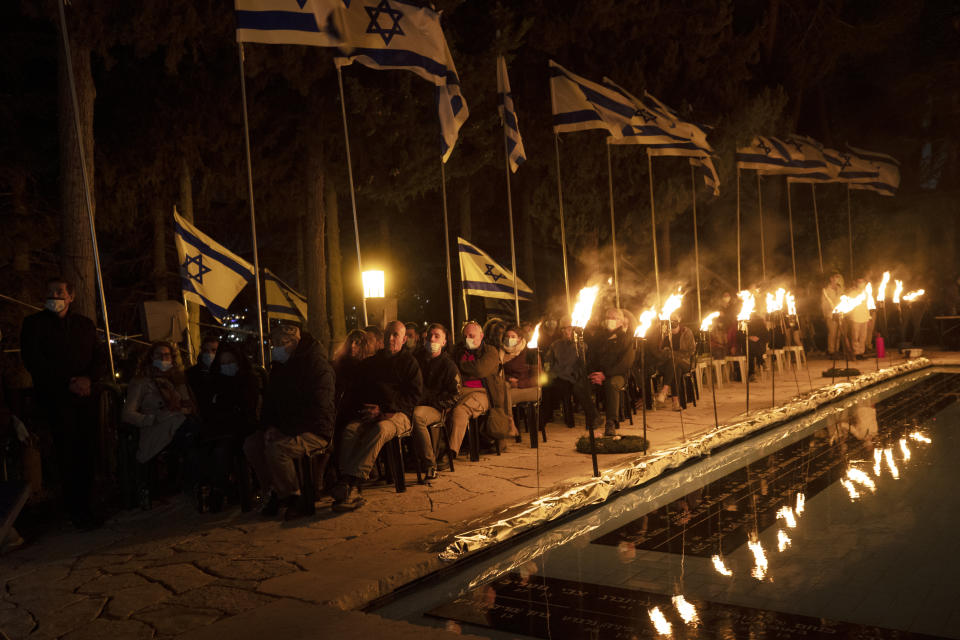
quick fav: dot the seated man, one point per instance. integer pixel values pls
(609, 358)
(673, 365)
(484, 389)
(567, 380)
(297, 417)
(441, 384)
(389, 385)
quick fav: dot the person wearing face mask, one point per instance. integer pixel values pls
(199, 374)
(159, 402)
(65, 358)
(609, 356)
(672, 366)
(484, 389)
(412, 339)
(441, 384)
(521, 375)
(297, 418)
(390, 386)
(229, 414)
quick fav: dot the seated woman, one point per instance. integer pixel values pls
(229, 414)
(673, 365)
(159, 402)
(520, 374)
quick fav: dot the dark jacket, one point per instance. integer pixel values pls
(55, 349)
(565, 361)
(299, 395)
(611, 354)
(391, 381)
(441, 380)
(684, 345)
(519, 367)
(229, 405)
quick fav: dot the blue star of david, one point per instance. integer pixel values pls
(763, 147)
(495, 276)
(197, 260)
(374, 27)
(645, 115)
(846, 160)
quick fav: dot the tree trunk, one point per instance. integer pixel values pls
(186, 210)
(334, 264)
(76, 246)
(316, 263)
(159, 274)
(665, 259)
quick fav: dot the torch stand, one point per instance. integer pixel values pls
(578, 340)
(677, 388)
(644, 383)
(713, 378)
(746, 351)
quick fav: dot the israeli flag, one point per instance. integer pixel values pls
(857, 168)
(767, 154)
(580, 104)
(704, 166)
(318, 23)
(481, 275)
(210, 274)
(508, 117)
(888, 169)
(283, 301)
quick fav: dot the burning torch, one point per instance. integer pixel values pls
(672, 304)
(646, 319)
(746, 309)
(582, 311)
(704, 329)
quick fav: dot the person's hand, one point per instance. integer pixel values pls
(80, 386)
(271, 434)
(514, 382)
(597, 377)
(754, 339)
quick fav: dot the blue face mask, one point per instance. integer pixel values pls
(279, 354)
(231, 369)
(163, 365)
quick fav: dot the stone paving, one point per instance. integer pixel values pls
(171, 572)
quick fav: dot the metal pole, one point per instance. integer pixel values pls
(563, 233)
(353, 195)
(746, 374)
(513, 251)
(644, 382)
(446, 240)
(696, 242)
(793, 255)
(88, 200)
(613, 228)
(739, 286)
(850, 233)
(253, 218)
(653, 227)
(816, 223)
(763, 242)
(578, 338)
(676, 380)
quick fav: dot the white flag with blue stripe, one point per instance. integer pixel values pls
(319, 23)
(704, 166)
(580, 104)
(767, 154)
(210, 274)
(508, 117)
(888, 172)
(283, 301)
(481, 275)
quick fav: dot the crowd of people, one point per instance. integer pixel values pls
(380, 384)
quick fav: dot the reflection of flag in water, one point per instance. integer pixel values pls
(508, 116)
(283, 301)
(210, 274)
(481, 275)
(580, 104)
(888, 168)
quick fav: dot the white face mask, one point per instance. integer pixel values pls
(411, 343)
(206, 359)
(279, 354)
(612, 324)
(163, 365)
(231, 369)
(472, 344)
(57, 305)
(435, 347)
(512, 342)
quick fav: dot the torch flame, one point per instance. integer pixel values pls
(852, 490)
(783, 540)
(584, 307)
(877, 457)
(904, 449)
(787, 514)
(646, 319)
(882, 289)
(868, 292)
(801, 502)
(749, 303)
(913, 295)
(663, 627)
(720, 567)
(775, 300)
(791, 304)
(919, 437)
(686, 610)
(888, 456)
(759, 559)
(897, 290)
(848, 304)
(860, 477)
(672, 304)
(535, 337)
(705, 325)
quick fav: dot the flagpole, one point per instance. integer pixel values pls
(816, 223)
(353, 196)
(88, 200)
(696, 243)
(513, 250)
(763, 242)
(563, 233)
(446, 238)
(613, 228)
(739, 287)
(793, 256)
(253, 219)
(850, 232)
(466, 309)
(653, 225)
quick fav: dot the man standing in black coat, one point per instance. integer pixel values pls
(297, 417)
(389, 385)
(61, 351)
